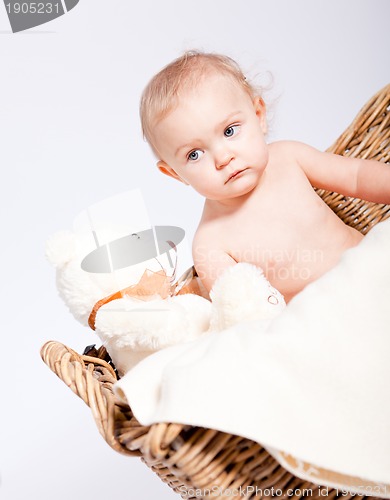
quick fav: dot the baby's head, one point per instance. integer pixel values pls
(163, 92)
(201, 110)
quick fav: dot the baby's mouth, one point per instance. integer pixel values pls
(235, 174)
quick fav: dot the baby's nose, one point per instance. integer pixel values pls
(223, 159)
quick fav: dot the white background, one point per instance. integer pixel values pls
(70, 136)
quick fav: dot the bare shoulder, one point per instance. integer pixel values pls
(292, 156)
(203, 237)
(210, 258)
(206, 240)
(290, 149)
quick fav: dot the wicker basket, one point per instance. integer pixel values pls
(190, 458)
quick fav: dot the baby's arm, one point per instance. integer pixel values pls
(209, 259)
(365, 179)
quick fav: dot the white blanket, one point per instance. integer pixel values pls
(315, 385)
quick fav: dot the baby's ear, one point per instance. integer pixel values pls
(261, 112)
(167, 170)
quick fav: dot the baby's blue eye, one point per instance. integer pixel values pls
(195, 155)
(230, 131)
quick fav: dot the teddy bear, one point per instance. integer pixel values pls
(152, 312)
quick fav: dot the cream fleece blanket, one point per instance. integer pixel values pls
(316, 384)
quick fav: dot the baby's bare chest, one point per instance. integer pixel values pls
(278, 223)
(287, 230)
(277, 238)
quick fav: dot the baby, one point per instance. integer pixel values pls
(207, 126)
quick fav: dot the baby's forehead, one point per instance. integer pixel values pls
(215, 79)
(218, 92)
(200, 111)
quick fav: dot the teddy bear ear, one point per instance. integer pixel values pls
(60, 248)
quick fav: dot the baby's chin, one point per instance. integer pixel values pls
(231, 195)
(234, 188)
(241, 187)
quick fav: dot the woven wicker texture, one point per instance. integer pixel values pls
(189, 458)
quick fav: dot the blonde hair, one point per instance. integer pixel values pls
(161, 94)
